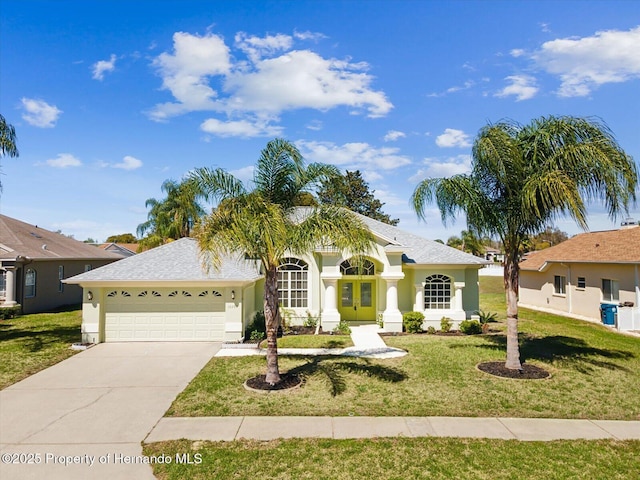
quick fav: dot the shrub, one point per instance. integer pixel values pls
(311, 321)
(257, 324)
(431, 330)
(9, 312)
(342, 328)
(256, 336)
(486, 317)
(446, 324)
(470, 327)
(412, 322)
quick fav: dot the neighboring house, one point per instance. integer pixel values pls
(122, 249)
(167, 294)
(34, 261)
(493, 255)
(578, 275)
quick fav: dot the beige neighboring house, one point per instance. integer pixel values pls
(34, 262)
(578, 275)
(166, 294)
(122, 249)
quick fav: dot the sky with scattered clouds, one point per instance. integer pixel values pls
(111, 98)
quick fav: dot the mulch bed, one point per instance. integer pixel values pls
(288, 381)
(528, 372)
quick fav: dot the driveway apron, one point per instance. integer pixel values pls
(86, 416)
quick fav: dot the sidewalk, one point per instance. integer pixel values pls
(269, 428)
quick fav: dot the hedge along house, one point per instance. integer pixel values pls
(168, 294)
(34, 262)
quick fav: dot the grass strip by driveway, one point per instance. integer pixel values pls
(595, 375)
(401, 459)
(31, 343)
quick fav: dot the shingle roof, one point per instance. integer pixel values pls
(613, 246)
(175, 261)
(20, 238)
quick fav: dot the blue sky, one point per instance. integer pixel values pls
(110, 98)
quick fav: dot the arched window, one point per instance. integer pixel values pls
(30, 283)
(367, 267)
(292, 283)
(437, 292)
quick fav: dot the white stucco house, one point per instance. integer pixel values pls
(168, 294)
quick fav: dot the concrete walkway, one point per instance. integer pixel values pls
(98, 404)
(367, 343)
(269, 428)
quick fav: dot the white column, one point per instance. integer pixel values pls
(10, 292)
(458, 296)
(391, 317)
(418, 306)
(330, 316)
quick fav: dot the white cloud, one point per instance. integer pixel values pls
(437, 168)
(371, 176)
(274, 79)
(523, 87)
(353, 155)
(258, 47)
(64, 160)
(185, 73)
(39, 113)
(393, 135)
(102, 66)
(240, 128)
(583, 64)
(517, 52)
(315, 36)
(453, 138)
(128, 163)
(245, 173)
(315, 125)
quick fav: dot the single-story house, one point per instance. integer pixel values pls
(167, 294)
(577, 276)
(34, 262)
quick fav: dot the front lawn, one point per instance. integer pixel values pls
(399, 459)
(314, 341)
(31, 343)
(595, 374)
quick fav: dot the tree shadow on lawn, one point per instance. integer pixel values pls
(334, 370)
(35, 340)
(558, 348)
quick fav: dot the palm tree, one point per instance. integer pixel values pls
(7, 141)
(171, 218)
(262, 222)
(525, 177)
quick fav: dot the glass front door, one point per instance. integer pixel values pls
(357, 300)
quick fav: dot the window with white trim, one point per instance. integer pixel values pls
(437, 292)
(559, 285)
(610, 290)
(582, 282)
(30, 283)
(293, 288)
(366, 267)
(3, 283)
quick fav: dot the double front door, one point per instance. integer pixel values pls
(357, 300)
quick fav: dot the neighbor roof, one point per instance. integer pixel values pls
(613, 246)
(176, 261)
(22, 239)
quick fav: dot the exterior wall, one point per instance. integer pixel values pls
(537, 288)
(47, 296)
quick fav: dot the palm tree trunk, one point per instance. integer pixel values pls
(271, 322)
(511, 270)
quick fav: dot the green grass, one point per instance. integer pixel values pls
(401, 459)
(595, 375)
(315, 341)
(31, 343)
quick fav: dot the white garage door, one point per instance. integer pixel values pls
(164, 315)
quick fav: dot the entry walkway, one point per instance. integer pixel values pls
(367, 343)
(270, 428)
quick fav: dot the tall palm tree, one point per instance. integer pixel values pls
(173, 217)
(7, 141)
(262, 222)
(523, 177)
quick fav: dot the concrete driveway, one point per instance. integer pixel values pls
(86, 416)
